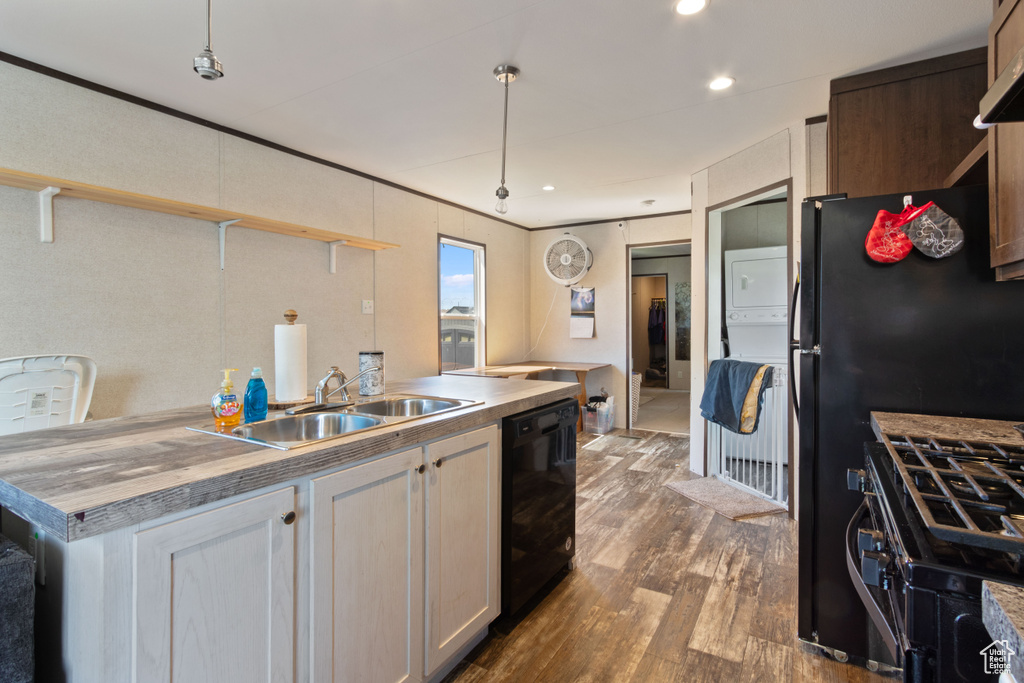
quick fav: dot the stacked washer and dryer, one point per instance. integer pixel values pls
(756, 314)
(757, 327)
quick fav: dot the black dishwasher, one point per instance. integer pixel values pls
(538, 499)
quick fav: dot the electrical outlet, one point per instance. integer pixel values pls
(367, 306)
(679, 374)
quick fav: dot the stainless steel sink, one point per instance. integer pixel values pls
(297, 430)
(418, 406)
(331, 421)
(306, 428)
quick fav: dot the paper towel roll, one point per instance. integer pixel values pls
(290, 362)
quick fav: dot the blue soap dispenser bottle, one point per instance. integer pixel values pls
(256, 397)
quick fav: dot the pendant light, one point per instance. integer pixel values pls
(206, 64)
(505, 73)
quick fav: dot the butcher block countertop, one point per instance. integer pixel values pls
(952, 428)
(86, 479)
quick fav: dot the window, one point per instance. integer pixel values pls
(461, 294)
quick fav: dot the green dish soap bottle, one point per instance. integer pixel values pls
(226, 405)
(256, 397)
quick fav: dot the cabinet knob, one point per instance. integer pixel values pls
(421, 469)
(288, 517)
(437, 463)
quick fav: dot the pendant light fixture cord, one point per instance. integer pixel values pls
(209, 22)
(506, 73)
(504, 134)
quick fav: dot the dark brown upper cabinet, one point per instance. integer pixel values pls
(904, 128)
(1006, 152)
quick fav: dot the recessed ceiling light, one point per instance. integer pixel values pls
(721, 83)
(548, 188)
(690, 6)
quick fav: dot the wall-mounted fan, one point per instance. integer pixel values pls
(567, 259)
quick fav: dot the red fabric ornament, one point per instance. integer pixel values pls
(886, 242)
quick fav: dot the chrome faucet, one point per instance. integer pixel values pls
(318, 394)
(343, 382)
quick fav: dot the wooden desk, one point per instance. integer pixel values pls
(532, 368)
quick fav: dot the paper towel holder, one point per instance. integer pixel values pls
(290, 386)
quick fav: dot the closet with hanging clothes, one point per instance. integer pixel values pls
(657, 340)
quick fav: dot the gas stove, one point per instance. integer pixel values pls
(939, 516)
(964, 492)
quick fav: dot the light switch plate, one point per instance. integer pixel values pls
(367, 306)
(679, 374)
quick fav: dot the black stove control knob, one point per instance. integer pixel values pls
(855, 480)
(874, 568)
(869, 539)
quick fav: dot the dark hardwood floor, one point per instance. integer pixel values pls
(663, 589)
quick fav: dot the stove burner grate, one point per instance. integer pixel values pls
(965, 492)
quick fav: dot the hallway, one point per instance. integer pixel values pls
(664, 410)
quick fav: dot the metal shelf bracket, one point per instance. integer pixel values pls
(223, 229)
(46, 213)
(333, 248)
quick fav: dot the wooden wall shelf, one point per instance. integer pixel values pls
(69, 188)
(973, 170)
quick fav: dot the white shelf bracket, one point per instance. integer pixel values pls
(46, 213)
(223, 228)
(333, 247)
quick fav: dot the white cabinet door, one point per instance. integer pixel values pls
(215, 595)
(367, 572)
(463, 525)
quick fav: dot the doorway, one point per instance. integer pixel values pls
(659, 337)
(749, 249)
(650, 331)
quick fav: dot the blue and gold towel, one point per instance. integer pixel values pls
(733, 393)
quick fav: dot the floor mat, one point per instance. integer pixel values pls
(725, 499)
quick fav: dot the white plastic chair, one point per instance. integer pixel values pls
(44, 391)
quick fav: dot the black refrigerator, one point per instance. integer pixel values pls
(927, 336)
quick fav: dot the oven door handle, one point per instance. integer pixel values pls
(874, 609)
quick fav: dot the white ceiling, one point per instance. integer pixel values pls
(612, 106)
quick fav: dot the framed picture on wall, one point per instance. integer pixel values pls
(683, 321)
(581, 313)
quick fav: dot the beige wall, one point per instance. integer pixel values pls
(143, 294)
(549, 334)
